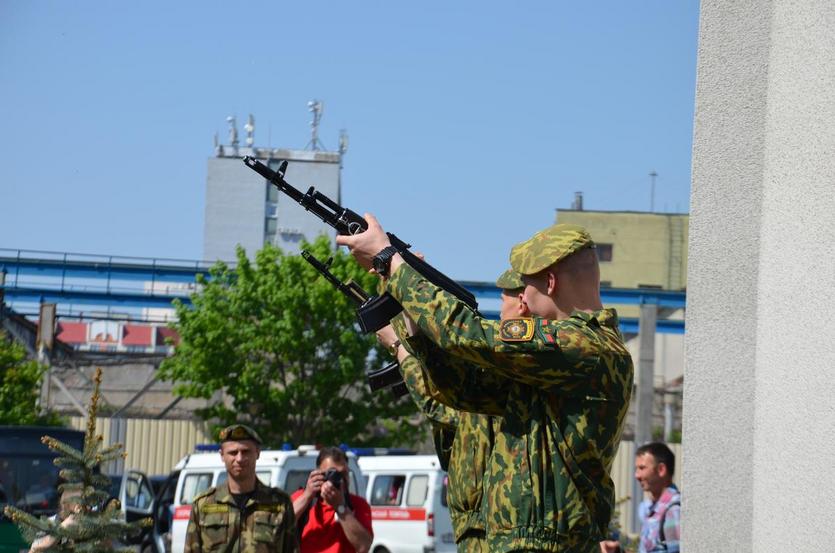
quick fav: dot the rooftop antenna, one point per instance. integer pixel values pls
(343, 142)
(316, 108)
(233, 131)
(250, 130)
(652, 176)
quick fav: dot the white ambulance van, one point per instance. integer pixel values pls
(409, 512)
(287, 470)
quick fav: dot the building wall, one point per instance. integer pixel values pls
(241, 208)
(235, 209)
(759, 388)
(648, 249)
(293, 223)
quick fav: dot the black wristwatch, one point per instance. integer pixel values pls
(382, 261)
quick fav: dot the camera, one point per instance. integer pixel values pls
(334, 477)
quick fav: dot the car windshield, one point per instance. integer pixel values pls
(28, 478)
(30, 483)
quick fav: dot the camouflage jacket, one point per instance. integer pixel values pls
(563, 388)
(267, 523)
(463, 442)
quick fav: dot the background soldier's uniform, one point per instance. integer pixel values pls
(564, 388)
(463, 441)
(267, 523)
(465, 460)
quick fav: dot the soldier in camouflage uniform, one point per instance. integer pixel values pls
(463, 441)
(241, 515)
(564, 379)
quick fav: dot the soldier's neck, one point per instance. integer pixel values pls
(245, 485)
(566, 304)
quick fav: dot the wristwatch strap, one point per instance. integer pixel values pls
(382, 261)
(394, 347)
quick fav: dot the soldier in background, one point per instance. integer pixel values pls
(463, 441)
(241, 514)
(564, 378)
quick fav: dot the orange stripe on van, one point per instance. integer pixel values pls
(182, 512)
(397, 513)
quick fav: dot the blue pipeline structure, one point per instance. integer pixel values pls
(95, 285)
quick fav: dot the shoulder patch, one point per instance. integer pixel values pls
(516, 330)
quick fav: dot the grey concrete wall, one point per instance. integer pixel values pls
(236, 203)
(294, 223)
(759, 398)
(235, 209)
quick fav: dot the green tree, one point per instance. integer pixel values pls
(19, 385)
(89, 520)
(285, 348)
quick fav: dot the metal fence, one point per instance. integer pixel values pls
(153, 446)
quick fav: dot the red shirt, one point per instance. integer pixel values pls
(324, 534)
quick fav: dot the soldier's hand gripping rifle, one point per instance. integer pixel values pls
(348, 222)
(388, 376)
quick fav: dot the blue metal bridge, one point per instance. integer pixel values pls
(95, 286)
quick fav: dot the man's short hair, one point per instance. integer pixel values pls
(661, 453)
(334, 453)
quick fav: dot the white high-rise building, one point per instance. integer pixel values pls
(242, 208)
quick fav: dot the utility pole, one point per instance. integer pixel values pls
(652, 176)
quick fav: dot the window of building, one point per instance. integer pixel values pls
(651, 286)
(605, 283)
(604, 252)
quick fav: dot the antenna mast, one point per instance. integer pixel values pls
(316, 107)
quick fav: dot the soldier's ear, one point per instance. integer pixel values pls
(552, 282)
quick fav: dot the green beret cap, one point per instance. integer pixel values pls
(238, 432)
(547, 247)
(510, 280)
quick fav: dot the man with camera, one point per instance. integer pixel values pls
(330, 518)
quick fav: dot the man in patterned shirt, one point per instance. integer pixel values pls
(655, 465)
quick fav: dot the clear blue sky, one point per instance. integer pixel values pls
(470, 122)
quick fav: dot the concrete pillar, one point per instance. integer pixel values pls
(645, 380)
(759, 393)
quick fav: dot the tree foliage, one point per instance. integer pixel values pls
(284, 347)
(19, 387)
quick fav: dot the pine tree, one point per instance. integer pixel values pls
(90, 522)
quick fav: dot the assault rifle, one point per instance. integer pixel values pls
(348, 222)
(388, 376)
